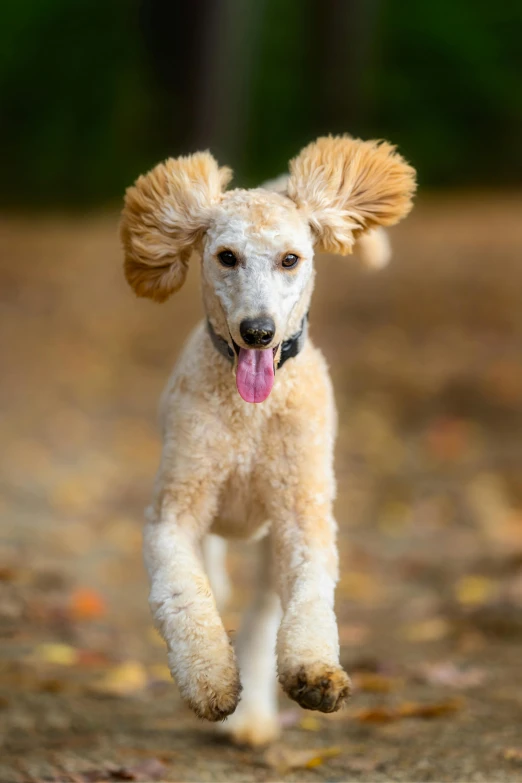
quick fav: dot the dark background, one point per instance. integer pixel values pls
(94, 92)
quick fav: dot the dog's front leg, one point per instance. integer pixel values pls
(200, 655)
(306, 568)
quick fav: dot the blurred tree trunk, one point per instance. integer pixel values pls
(342, 32)
(229, 55)
(203, 52)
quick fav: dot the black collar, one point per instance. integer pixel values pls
(289, 348)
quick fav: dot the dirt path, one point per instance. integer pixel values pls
(426, 359)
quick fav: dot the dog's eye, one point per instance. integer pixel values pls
(289, 261)
(227, 258)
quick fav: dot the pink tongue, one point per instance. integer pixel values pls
(255, 374)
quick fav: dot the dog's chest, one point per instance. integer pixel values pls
(242, 511)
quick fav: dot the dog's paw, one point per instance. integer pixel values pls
(317, 686)
(251, 728)
(213, 692)
(216, 705)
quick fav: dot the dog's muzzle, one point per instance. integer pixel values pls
(289, 348)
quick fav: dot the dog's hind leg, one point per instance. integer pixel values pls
(214, 556)
(255, 721)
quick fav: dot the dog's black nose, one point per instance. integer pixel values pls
(257, 331)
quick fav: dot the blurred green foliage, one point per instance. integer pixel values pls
(85, 109)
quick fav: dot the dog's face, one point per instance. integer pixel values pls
(258, 263)
(257, 246)
(257, 280)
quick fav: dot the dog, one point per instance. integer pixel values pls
(248, 418)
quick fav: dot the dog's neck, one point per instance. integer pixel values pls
(289, 348)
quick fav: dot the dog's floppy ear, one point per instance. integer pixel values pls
(346, 186)
(166, 213)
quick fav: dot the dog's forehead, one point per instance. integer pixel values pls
(259, 215)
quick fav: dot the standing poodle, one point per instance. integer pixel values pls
(231, 469)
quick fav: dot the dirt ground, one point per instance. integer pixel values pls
(427, 364)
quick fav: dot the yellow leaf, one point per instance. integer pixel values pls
(124, 679)
(60, 654)
(513, 754)
(310, 723)
(428, 630)
(475, 590)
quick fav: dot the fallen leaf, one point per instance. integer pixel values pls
(283, 759)
(122, 680)
(385, 714)
(374, 683)
(434, 710)
(56, 653)
(86, 604)
(310, 723)
(428, 630)
(475, 590)
(513, 754)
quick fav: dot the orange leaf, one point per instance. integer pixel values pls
(386, 714)
(377, 715)
(434, 710)
(373, 683)
(283, 758)
(86, 604)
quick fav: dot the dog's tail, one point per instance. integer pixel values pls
(373, 247)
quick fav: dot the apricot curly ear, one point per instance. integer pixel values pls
(166, 213)
(347, 186)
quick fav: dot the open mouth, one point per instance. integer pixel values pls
(255, 372)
